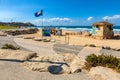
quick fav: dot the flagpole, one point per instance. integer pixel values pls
(42, 21)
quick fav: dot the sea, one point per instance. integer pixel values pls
(116, 29)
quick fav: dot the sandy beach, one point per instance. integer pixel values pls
(79, 39)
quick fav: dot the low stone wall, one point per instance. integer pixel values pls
(21, 31)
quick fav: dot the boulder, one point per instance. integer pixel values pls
(29, 37)
(37, 39)
(116, 49)
(102, 73)
(74, 62)
(92, 45)
(15, 55)
(21, 31)
(55, 64)
(3, 34)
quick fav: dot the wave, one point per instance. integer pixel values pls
(79, 28)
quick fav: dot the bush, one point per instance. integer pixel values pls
(92, 59)
(103, 60)
(118, 67)
(10, 46)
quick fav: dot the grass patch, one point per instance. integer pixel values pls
(102, 60)
(8, 27)
(10, 46)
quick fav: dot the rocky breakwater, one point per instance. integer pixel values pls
(55, 64)
(21, 31)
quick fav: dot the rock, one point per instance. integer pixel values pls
(29, 37)
(53, 40)
(75, 69)
(21, 31)
(19, 55)
(55, 69)
(108, 48)
(74, 62)
(66, 69)
(3, 34)
(36, 66)
(56, 64)
(20, 36)
(102, 73)
(37, 39)
(46, 40)
(116, 49)
(92, 45)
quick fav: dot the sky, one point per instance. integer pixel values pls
(61, 12)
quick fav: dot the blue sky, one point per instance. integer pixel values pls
(60, 12)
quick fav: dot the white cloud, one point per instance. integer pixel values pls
(52, 20)
(90, 18)
(111, 17)
(59, 19)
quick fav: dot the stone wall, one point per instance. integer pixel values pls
(21, 31)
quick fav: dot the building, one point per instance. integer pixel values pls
(102, 30)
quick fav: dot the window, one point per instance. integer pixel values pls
(97, 27)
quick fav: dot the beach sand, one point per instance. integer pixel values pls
(79, 40)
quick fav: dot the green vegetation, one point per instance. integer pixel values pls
(102, 60)
(10, 46)
(8, 27)
(16, 24)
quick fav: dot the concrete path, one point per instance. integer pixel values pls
(42, 48)
(87, 51)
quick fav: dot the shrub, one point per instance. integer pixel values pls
(108, 61)
(92, 59)
(10, 46)
(118, 67)
(103, 60)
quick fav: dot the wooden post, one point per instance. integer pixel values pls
(67, 38)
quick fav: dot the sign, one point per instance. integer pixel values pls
(46, 32)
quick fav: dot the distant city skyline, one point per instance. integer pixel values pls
(60, 12)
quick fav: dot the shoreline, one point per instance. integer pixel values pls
(81, 28)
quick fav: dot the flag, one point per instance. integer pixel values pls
(39, 13)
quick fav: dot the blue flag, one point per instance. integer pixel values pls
(39, 13)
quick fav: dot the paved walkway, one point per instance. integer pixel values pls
(42, 48)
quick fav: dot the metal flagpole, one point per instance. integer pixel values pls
(42, 27)
(42, 18)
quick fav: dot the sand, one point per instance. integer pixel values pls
(79, 40)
